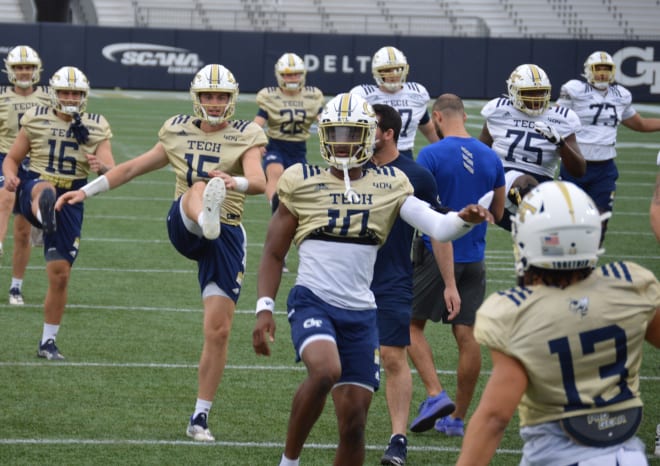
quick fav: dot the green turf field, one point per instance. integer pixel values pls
(132, 332)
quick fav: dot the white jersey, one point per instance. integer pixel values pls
(600, 114)
(410, 101)
(517, 143)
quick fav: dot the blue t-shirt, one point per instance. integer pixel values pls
(464, 169)
(393, 270)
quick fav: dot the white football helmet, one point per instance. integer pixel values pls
(23, 55)
(390, 68)
(600, 79)
(290, 63)
(557, 227)
(347, 131)
(68, 78)
(529, 89)
(214, 78)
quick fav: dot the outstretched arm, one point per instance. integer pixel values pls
(442, 227)
(151, 160)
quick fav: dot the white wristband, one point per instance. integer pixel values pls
(265, 304)
(99, 185)
(241, 183)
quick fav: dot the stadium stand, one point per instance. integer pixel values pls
(584, 19)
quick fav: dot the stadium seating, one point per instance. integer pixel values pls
(588, 19)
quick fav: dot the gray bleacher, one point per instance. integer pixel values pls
(570, 19)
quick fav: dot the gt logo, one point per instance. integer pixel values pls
(648, 71)
(309, 323)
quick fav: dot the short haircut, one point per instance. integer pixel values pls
(450, 103)
(388, 118)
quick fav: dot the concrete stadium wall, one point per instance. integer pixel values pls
(166, 59)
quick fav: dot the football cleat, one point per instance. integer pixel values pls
(198, 429)
(15, 297)
(47, 209)
(49, 351)
(212, 199)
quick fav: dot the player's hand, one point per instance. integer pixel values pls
(11, 183)
(95, 165)
(265, 326)
(70, 197)
(474, 213)
(548, 132)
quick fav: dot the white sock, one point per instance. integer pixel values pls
(50, 331)
(200, 218)
(16, 283)
(202, 406)
(39, 216)
(287, 462)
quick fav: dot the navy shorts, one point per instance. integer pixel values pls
(354, 332)
(286, 153)
(599, 182)
(220, 261)
(393, 321)
(65, 242)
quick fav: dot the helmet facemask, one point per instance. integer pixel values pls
(214, 79)
(288, 65)
(68, 78)
(389, 67)
(599, 70)
(529, 89)
(23, 55)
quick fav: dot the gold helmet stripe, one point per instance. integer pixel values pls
(345, 107)
(536, 75)
(71, 78)
(24, 54)
(391, 55)
(292, 61)
(214, 78)
(567, 197)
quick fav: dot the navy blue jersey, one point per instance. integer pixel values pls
(393, 269)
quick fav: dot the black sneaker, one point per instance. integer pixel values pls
(49, 351)
(47, 209)
(396, 452)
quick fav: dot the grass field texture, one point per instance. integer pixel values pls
(132, 332)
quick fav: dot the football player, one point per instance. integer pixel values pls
(390, 70)
(65, 145)
(23, 68)
(654, 210)
(338, 217)
(530, 137)
(287, 111)
(217, 162)
(602, 105)
(566, 346)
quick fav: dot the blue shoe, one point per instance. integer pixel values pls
(431, 409)
(47, 209)
(396, 452)
(451, 427)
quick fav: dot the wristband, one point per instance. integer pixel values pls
(265, 304)
(241, 183)
(561, 142)
(99, 185)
